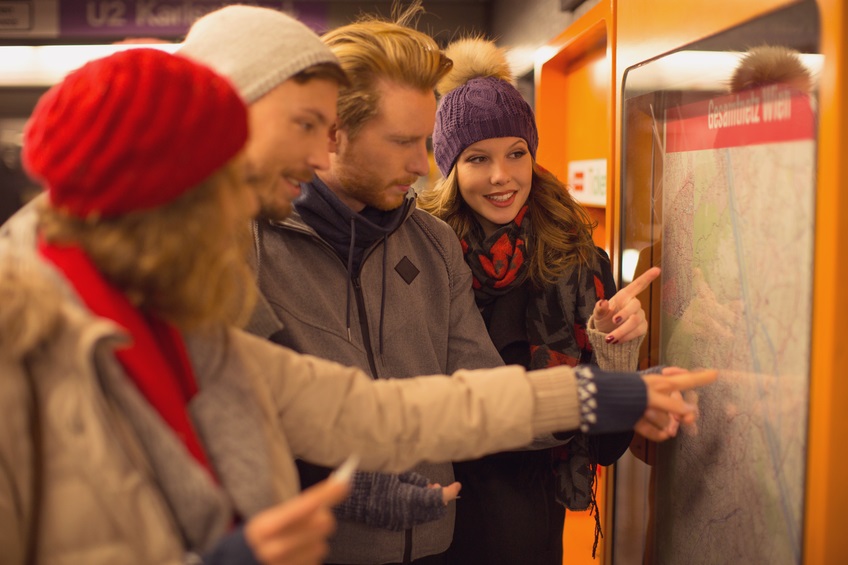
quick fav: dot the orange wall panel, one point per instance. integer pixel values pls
(574, 102)
(827, 491)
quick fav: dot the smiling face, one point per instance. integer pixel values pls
(388, 153)
(494, 177)
(289, 140)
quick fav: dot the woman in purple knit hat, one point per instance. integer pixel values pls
(547, 296)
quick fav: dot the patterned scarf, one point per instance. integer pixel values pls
(557, 337)
(498, 262)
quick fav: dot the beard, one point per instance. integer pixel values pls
(273, 205)
(374, 192)
(274, 193)
(359, 179)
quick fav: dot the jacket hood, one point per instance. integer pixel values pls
(351, 234)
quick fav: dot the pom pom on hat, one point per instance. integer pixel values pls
(771, 64)
(131, 132)
(473, 57)
(478, 102)
(256, 48)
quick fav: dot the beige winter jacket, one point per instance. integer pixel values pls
(100, 500)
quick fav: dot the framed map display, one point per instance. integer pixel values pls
(719, 189)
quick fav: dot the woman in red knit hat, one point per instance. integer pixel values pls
(139, 153)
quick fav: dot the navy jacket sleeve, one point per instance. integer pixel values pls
(232, 549)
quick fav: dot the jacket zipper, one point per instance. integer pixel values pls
(366, 338)
(363, 324)
(407, 546)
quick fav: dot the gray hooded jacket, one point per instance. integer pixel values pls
(418, 319)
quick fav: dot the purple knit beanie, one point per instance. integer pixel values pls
(482, 108)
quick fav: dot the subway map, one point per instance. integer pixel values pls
(737, 247)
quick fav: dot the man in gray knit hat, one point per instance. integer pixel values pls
(289, 80)
(269, 57)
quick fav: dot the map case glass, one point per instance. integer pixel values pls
(718, 189)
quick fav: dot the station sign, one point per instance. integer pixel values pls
(80, 20)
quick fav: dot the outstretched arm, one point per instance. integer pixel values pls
(397, 423)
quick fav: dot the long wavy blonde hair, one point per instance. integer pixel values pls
(560, 229)
(184, 262)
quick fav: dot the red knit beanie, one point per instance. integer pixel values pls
(131, 132)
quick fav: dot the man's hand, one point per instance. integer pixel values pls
(666, 408)
(450, 492)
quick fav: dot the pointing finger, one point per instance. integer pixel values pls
(639, 284)
(683, 381)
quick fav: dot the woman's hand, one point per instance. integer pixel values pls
(622, 317)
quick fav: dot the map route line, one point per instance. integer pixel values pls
(771, 440)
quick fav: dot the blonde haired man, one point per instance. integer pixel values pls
(361, 277)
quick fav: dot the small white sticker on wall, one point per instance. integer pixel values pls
(587, 181)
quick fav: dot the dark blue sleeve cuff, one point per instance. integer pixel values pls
(609, 402)
(232, 549)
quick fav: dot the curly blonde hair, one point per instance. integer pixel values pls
(561, 230)
(184, 262)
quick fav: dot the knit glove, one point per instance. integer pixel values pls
(391, 502)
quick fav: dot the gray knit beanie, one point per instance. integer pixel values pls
(478, 102)
(256, 48)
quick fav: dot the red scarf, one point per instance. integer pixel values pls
(156, 360)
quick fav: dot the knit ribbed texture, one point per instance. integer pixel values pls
(131, 132)
(482, 108)
(616, 356)
(609, 402)
(256, 48)
(392, 502)
(556, 408)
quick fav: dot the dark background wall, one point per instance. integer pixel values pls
(520, 25)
